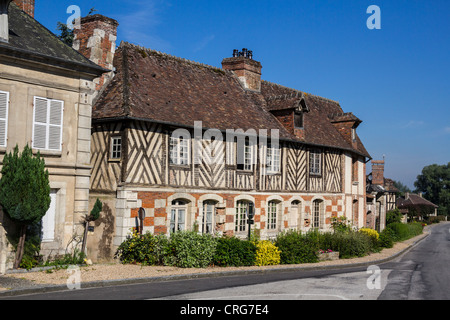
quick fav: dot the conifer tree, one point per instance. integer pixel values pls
(24, 192)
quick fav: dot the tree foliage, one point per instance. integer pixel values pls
(434, 184)
(66, 34)
(402, 188)
(24, 187)
(24, 192)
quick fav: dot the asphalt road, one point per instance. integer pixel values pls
(423, 274)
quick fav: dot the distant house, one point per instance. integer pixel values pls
(381, 196)
(416, 205)
(46, 91)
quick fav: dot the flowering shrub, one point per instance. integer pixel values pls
(267, 254)
(371, 233)
(325, 251)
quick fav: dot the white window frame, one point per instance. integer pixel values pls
(242, 207)
(48, 124)
(273, 159)
(209, 210)
(318, 208)
(116, 148)
(179, 151)
(247, 155)
(272, 213)
(178, 216)
(5, 119)
(315, 163)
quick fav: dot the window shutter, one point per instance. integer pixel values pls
(40, 123)
(55, 125)
(47, 126)
(4, 97)
(48, 221)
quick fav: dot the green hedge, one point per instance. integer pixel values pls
(188, 249)
(297, 248)
(233, 252)
(402, 231)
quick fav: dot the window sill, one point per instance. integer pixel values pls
(179, 166)
(315, 175)
(241, 171)
(47, 153)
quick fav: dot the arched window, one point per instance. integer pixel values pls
(178, 216)
(243, 208)
(317, 214)
(209, 211)
(272, 215)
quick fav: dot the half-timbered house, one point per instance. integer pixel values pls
(179, 145)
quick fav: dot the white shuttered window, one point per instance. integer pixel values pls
(47, 124)
(4, 106)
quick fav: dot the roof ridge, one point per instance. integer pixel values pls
(305, 93)
(167, 55)
(286, 96)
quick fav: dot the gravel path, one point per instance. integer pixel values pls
(116, 271)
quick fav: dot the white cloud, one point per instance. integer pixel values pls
(413, 124)
(203, 43)
(139, 26)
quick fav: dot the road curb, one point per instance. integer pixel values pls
(119, 282)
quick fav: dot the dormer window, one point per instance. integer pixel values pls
(354, 134)
(298, 120)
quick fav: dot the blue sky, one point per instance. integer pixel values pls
(395, 79)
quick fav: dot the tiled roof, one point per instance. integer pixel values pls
(414, 200)
(318, 127)
(29, 39)
(154, 86)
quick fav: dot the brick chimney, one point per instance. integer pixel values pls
(26, 5)
(378, 172)
(247, 69)
(96, 40)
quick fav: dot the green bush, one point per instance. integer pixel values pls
(297, 248)
(403, 231)
(191, 250)
(394, 216)
(139, 249)
(233, 252)
(386, 239)
(349, 245)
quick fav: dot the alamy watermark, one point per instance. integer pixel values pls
(74, 21)
(374, 21)
(74, 280)
(247, 144)
(374, 280)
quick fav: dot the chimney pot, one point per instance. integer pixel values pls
(247, 69)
